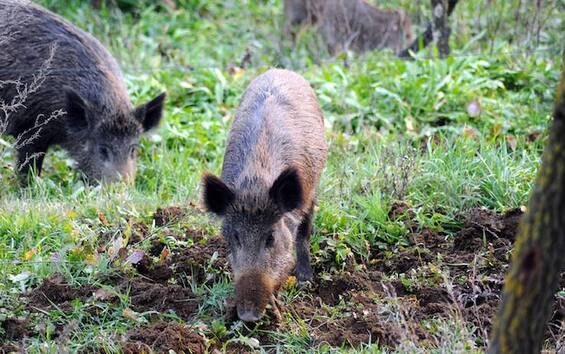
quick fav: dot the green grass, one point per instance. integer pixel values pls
(398, 131)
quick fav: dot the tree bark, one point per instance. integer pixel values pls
(539, 251)
(440, 27)
(427, 36)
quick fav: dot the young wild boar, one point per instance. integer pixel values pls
(101, 128)
(359, 26)
(275, 154)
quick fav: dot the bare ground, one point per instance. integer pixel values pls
(389, 298)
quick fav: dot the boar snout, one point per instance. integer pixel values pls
(253, 291)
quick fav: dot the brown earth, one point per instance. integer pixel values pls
(165, 216)
(383, 299)
(162, 336)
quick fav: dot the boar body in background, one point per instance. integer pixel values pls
(357, 25)
(101, 128)
(351, 24)
(299, 12)
(275, 154)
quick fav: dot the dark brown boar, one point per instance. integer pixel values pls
(359, 26)
(275, 154)
(101, 128)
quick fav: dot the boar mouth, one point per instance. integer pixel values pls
(253, 292)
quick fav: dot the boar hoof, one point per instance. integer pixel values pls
(304, 275)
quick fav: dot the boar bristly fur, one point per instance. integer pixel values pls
(100, 128)
(274, 158)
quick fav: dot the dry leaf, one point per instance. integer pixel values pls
(470, 132)
(164, 254)
(135, 257)
(102, 218)
(103, 295)
(130, 314)
(29, 254)
(511, 140)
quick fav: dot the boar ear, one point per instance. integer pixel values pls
(76, 109)
(149, 114)
(286, 191)
(217, 196)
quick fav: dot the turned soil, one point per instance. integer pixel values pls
(385, 298)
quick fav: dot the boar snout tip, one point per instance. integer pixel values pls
(248, 315)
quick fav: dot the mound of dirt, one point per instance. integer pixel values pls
(474, 270)
(54, 292)
(197, 259)
(10, 348)
(489, 225)
(147, 296)
(170, 215)
(162, 337)
(15, 328)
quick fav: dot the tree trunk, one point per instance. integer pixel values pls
(539, 251)
(425, 38)
(440, 27)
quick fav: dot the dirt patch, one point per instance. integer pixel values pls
(343, 285)
(54, 292)
(150, 297)
(15, 328)
(489, 225)
(200, 260)
(391, 292)
(170, 215)
(10, 348)
(162, 337)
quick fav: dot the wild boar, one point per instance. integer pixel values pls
(359, 26)
(276, 152)
(101, 129)
(298, 13)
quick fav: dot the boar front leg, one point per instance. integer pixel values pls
(276, 308)
(303, 270)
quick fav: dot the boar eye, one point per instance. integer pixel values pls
(104, 151)
(269, 242)
(133, 151)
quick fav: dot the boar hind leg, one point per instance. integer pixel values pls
(30, 159)
(303, 270)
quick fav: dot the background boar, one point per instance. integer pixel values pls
(275, 154)
(101, 129)
(300, 12)
(359, 26)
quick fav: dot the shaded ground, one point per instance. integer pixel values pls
(386, 299)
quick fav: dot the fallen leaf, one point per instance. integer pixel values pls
(130, 314)
(470, 132)
(29, 254)
(511, 140)
(103, 295)
(20, 277)
(135, 257)
(102, 218)
(164, 254)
